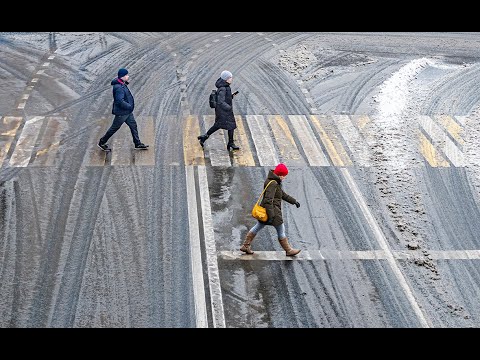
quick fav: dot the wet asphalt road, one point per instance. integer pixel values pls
(388, 227)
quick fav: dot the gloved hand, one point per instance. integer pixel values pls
(297, 204)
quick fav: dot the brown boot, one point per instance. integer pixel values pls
(288, 249)
(246, 245)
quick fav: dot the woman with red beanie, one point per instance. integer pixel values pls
(272, 202)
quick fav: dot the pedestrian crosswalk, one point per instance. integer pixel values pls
(323, 140)
(264, 140)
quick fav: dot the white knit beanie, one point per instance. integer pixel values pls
(226, 75)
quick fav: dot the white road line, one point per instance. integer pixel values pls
(196, 253)
(211, 252)
(353, 139)
(216, 145)
(473, 254)
(265, 149)
(310, 145)
(384, 246)
(312, 255)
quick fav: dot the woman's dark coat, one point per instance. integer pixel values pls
(272, 199)
(224, 117)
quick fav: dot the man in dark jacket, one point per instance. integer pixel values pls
(123, 105)
(224, 118)
(272, 202)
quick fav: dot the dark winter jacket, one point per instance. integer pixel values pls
(123, 103)
(224, 117)
(272, 199)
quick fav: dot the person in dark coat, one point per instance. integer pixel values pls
(272, 202)
(224, 118)
(122, 108)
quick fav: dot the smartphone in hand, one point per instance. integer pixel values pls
(235, 93)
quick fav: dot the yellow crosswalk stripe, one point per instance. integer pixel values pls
(122, 147)
(146, 131)
(24, 147)
(361, 120)
(8, 129)
(94, 155)
(192, 151)
(429, 152)
(453, 128)
(334, 147)
(442, 141)
(244, 156)
(287, 149)
(47, 153)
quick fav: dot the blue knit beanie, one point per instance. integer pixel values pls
(122, 73)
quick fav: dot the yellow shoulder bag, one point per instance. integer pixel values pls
(259, 212)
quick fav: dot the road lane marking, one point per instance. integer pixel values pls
(452, 127)
(361, 120)
(354, 140)
(192, 151)
(382, 241)
(311, 146)
(461, 119)
(8, 128)
(313, 255)
(441, 140)
(56, 129)
(431, 154)
(216, 144)
(334, 147)
(287, 149)
(26, 142)
(96, 156)
(264, 146)
(146, 130)
(243, 157)
(211, 252)
(122, 146)
(196, 253)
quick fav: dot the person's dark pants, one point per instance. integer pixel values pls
(117, 123)
(216, 127)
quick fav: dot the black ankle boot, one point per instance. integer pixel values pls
(202, 139)
(231, 146)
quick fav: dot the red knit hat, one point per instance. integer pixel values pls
(281, 170)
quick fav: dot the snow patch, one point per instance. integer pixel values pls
(393, 95)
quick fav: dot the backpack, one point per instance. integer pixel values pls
(212, 99)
